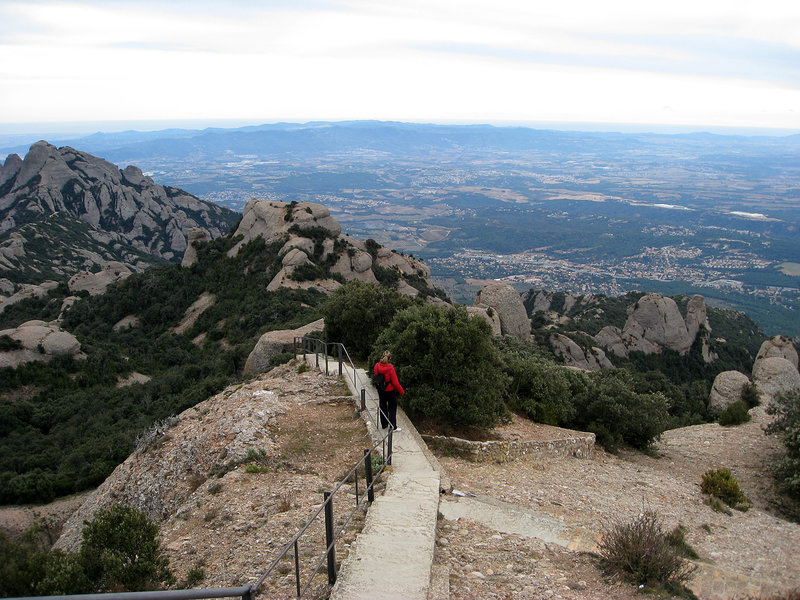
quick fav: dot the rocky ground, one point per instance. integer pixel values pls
(588, 495)
(231, 527)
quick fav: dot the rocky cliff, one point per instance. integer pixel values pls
(315, 254)
(63, 211)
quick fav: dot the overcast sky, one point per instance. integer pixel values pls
(700, 63)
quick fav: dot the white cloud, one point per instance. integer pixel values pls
(702, 63)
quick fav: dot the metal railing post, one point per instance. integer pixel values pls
(363, 399)
(329, 538)
(368, 472)
(248, 594)
(297, 567)
(388, 460)
(339, 346)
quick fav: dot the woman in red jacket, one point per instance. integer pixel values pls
(387, 398)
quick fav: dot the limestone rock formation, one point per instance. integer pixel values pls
(96, 283)
(38, 341)
(275, 342)
(311, 236)
(491, 316)
(654, 324)
(775, 375)
(195, 234)
(507, 303)
(76, 200)
(780, 346)
(574, 356)
(726, 390)
(27, 290)
(195, 309)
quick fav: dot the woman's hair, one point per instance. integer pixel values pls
(386, 356)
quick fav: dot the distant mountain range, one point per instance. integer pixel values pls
(63, 211)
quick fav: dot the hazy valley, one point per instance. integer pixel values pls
(579, 212)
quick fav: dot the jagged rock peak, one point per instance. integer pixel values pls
(150, 217)
(310, 234)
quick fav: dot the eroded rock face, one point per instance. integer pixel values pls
(726, 390)
(275, 342)
(507, 303)
(655, 322)
(195, 234)
(27, 290)
(489, 315)
(39, 341)
(289, 222)
(574, 356)
(96, 283)
(776, 375)
(151, 217)
(780, 346)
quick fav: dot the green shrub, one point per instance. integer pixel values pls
(121, 551)
(735, 414)
(750, 395)
(448, 364)
(611, 407)
(640, 552)
(786, 408)
(720, 483)
(357, 312)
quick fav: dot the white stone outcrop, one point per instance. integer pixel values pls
(275, 342)
(39, 341)
(780, 346)
(574, 356)
(27, 290)
(96, 283)
(490, 315)
(288, 223)
(193, 235)
(726, 390)
(775, 375)
(507, 303)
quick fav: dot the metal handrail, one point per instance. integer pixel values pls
(244, 592)
(321, 347)
(327, 504)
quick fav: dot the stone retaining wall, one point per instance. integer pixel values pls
(581, 446)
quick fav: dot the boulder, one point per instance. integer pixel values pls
(96, 283)
(275, 342)
(489, 315)
(27, 290)
(775, 375)
(726, 390)
(128, 322)
(507, 303)
(40, 341)
(611, 337)
(574, 356)
(654, 323)
(780, 346)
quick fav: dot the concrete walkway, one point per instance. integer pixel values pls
(393, 555)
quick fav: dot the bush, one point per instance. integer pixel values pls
(786, 408)
(447, 361)
(720, 483)
(357, 312)
(121, 551)
(735, 414)
(640, 552)
(612, 409)
(750, 395)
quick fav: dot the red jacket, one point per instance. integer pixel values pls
(390, 376)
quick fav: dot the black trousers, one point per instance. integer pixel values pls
(387, 402)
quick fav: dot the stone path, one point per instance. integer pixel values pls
(393, 555)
